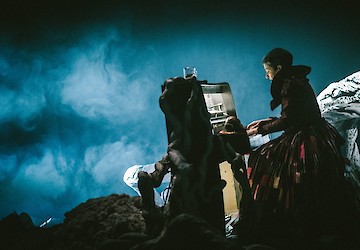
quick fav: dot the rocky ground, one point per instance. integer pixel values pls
(111, 222)
(96, 224)
(116, 222)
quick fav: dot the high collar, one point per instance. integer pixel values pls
(298, 71)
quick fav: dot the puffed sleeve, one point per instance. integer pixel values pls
(281, 123)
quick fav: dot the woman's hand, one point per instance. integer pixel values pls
(252, 131)
(256, 123)
(253, 127)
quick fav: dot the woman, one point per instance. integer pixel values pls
(297, 179)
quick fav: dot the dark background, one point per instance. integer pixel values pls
(80, 81)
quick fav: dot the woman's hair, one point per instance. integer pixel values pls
(278, 56)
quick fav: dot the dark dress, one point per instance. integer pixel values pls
(297, 180)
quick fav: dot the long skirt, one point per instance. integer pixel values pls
(298, 185)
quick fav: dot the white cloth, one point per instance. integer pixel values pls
(131, 179)
(340, 106)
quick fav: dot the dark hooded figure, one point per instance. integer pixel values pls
(300, 199)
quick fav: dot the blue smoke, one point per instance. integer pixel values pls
(72, 121)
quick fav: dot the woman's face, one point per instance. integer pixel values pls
(270, 71)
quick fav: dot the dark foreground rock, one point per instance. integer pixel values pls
(111, 222)
(96, 224)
